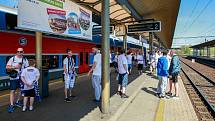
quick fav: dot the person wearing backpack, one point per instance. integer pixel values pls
(174, 70)
(14, 67)
(69, 75)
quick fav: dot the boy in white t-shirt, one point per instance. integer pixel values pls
(29, 76)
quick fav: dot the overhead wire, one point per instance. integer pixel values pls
(190, 16)
(197, 17)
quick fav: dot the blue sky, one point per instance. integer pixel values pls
(196, 18)
(9, 3)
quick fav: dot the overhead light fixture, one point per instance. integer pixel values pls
(126, 9)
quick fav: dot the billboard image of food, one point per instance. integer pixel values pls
(59, 17)
(84, 19)
(73, 23)
(57, 20)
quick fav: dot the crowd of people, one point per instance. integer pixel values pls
(24, 75)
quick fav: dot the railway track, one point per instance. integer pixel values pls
(201, 91)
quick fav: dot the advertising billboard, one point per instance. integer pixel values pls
(61, 17)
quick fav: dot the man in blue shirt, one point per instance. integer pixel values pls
(162, 72)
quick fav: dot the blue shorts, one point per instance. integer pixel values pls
(15, 84)
(123, 79)
(129, 66)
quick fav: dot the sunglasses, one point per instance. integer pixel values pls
(19, 51)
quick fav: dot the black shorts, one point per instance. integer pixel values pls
(140, 67)
(29, 93)
(15, 84)
(175, 78)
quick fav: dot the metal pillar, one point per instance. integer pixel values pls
(150, 42)
(105, 103)
(208, 51)
(203, 51)
(125, 40)
(159, 44)
(39, 57)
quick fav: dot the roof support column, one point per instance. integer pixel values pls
(150, 42)
(208, 51)
(125, 41)
(105, 103)
(39, 58)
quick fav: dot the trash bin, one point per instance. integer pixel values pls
(45, 82)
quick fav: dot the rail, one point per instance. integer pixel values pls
(204, 98)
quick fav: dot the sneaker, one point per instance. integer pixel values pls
(119, 93)
(96, 100)
(72, 96)
(169, 94)
(157, 94)
(24, 108)
(18, 104)
(31, 108)
(175, 97)
(124, 96)
(161, 96)
(10, 109)
(67, 100)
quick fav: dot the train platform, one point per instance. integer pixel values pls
(142, 104)
(53, 108)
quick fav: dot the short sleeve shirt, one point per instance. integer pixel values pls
(30, 74)
(140, 59)
(14, 61)
(98, 68)
(129, 59)
(69, 64)
(121, 61)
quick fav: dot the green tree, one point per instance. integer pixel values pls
(185, 50)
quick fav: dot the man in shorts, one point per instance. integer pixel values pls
(174, 71)
(129, 60)
(16, 63)
(69, 75)
(123, 74)
(140, 62)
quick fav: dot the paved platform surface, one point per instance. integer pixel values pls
(144, 106)
(54, 108)
(148, 107)
(179, 109)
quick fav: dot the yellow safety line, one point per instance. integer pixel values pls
(4, 95)
(160, 111)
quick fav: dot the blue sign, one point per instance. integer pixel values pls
(23, 41)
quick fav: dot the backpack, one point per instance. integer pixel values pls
(12, 72)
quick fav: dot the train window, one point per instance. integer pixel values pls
(87, 58)
(81, 58)
(11, 21)
(50, 61)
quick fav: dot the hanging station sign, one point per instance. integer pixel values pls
(61, 17)
(154, 26)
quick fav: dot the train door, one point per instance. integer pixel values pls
(84, 62)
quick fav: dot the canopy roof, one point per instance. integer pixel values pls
(165, 11)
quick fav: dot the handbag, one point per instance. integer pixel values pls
(13, 73)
